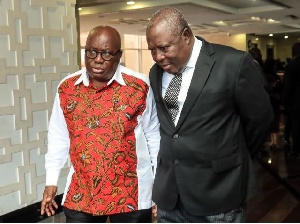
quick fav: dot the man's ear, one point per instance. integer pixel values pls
(120, 55)
(187, 35)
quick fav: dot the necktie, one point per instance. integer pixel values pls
(171, 96)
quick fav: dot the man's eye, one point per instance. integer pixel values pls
(106, 54)
(164, 49)
(93, 52)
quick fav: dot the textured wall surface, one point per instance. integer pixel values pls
(38, 47)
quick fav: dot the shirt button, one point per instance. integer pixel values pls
(175, 136)
(176, 162)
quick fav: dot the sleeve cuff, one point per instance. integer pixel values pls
(52, 177)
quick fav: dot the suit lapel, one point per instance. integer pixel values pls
(160, 102)
(201, 73)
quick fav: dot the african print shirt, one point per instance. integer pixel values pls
(111, 135)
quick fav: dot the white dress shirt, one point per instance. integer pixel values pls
(187, 76)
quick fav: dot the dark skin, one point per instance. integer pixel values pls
(48, 204)
(101, 38)
(171, 52)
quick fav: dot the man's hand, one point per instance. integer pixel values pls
(48, 203)
(154, 210)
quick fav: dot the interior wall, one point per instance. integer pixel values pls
(38, 42)
(282, 47)
(237, 41)
(136, 55)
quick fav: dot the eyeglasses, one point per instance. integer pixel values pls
(105, 55)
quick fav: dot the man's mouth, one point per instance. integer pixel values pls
(97, 70)
(165, 66)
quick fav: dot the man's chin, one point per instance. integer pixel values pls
(169, 69)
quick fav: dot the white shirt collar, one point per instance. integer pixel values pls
(84, 78)
(195, 53)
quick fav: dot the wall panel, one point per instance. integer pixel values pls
(38, 42)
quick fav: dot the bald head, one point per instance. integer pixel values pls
(102, 54)
(170, 40)
(255, 52)
(170, 18)
(111, 33)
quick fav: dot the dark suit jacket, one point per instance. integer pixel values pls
(206, 158)
(291, 85)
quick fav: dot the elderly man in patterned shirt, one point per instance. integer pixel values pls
(104, 118)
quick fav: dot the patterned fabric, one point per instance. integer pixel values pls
(171, 96)
(101, 125)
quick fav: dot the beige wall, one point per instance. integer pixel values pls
(237, 41)
(38, 42)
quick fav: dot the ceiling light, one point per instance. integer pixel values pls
(79, 9)
(255, 18)
(271, 35)
(270, 161)
(285, 37)
(256, 38)
(130, 2)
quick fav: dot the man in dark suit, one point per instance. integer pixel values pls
(257, 57)
(204, 167)
(291, 96)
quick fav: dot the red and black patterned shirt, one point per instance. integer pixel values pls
(111, 135)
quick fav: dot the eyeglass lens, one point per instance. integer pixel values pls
(104, 54)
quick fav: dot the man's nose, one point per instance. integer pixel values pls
(159, 55)
(99, 58)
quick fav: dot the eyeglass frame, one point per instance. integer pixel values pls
(101, 54)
